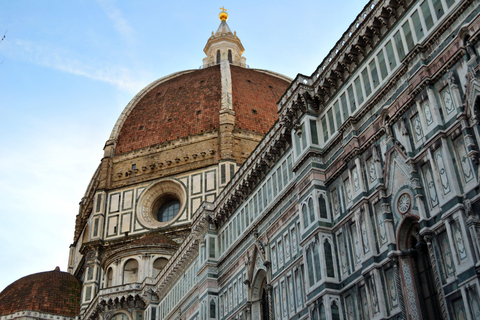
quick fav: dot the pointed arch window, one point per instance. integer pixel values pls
(316, 257)
(230, 58)
(327, 247)
(322, 206)
(218, 56)
(310, 210)
(335, 311)
(322, 312)
(311, 276)
(305, 216)
(213, 309)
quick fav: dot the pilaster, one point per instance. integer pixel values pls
(227, 115)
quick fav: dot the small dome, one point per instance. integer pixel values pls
(53, 292)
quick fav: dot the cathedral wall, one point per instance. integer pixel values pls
(362, 201)
(120, 210)
(167, 159)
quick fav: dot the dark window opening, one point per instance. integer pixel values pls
(230, 59)
(218, 56)
(213, 309)
(327, 248)
(323, 207)
(265, 304)
(168, 210)
(223, 174)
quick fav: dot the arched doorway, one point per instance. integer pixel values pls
(260, 297)
(421, 296)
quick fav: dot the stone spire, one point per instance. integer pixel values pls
(224, 45)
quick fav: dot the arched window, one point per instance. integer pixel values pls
(109, 277)
(230, 59)
(311, 210)
(120, 316)
(322, 206)
(218, 56)
(213, 309)
(316, 257)
(322, 312)
(314, 314)
(305, 216)
(335, 311)
(328, 259)
(130, 271)
(311, 276)
(158, 265)
(264, 302)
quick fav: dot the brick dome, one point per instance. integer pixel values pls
(189, 103)
(53, 292)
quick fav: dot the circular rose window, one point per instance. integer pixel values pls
(404, 203)
(161, 204)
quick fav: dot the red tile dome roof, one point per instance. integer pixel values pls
(53, 292)
(189, 103)
(255, 95)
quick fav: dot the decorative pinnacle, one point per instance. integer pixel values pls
(223, 15)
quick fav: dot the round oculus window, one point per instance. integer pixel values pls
(161, 204)
(404, 203)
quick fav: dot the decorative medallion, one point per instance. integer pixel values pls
(404, 202)
(373, 172)
(447, 100)
(443, 173)
(417, 125)
(428, 114)
(356, 181)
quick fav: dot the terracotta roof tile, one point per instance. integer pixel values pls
(52, 292)
(255, 95)
(182, 106)
(190, 103)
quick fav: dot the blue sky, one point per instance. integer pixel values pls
(68, 68)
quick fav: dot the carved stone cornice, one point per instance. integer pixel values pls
(250, 174)
(108, 300)
(375, 20)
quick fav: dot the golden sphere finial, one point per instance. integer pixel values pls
(223, 15)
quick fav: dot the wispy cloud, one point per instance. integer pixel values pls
(64, 60)
(120, 23)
